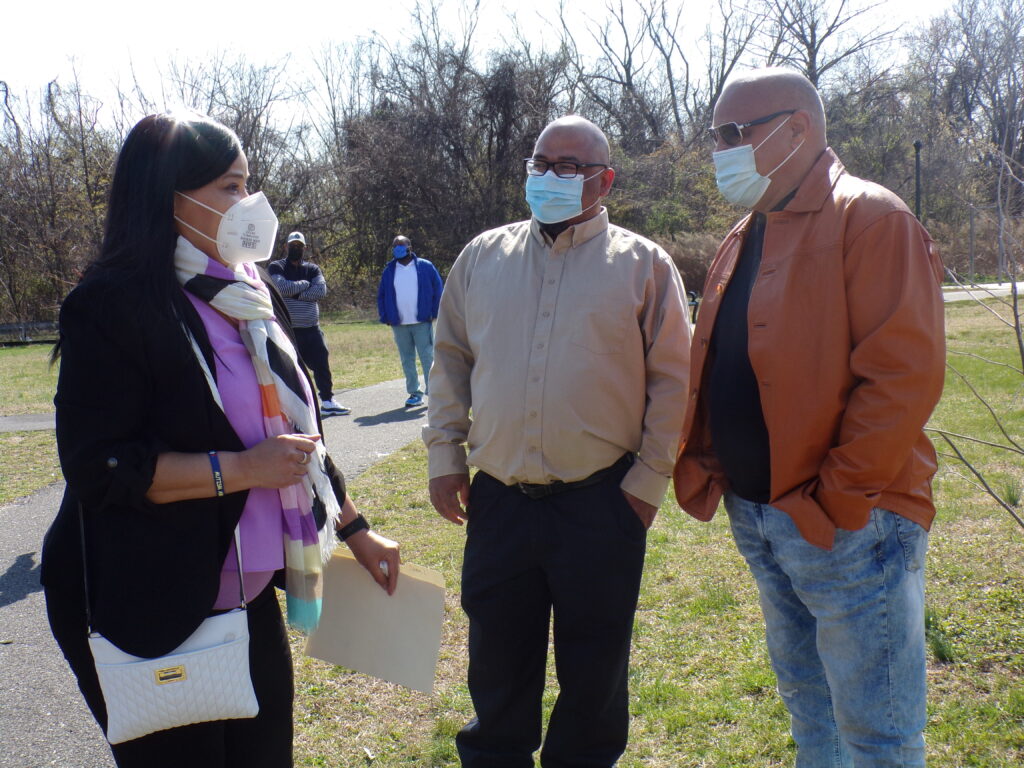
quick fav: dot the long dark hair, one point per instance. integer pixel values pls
(162, 154)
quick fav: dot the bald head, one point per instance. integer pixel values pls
(772, 89)
(588, 137)
(573, 139)
(780, 116)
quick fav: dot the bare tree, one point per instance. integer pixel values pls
(54, 171)
(725, 47)
(816, 36)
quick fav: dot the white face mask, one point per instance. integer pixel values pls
(246, 232)
(736, 172)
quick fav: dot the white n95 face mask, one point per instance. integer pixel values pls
(736, 172)
(247, 229)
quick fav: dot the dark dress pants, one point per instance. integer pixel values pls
(578, 554)
(264, 741)
(313, 351)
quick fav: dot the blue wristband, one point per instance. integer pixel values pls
(218, 478)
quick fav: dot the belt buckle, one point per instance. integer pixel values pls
(534, 491)
(528, 490)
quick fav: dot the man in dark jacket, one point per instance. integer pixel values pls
(302, 284)
(407, 300)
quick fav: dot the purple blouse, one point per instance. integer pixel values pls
(260, 527)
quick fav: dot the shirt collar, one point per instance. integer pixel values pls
(580, 233)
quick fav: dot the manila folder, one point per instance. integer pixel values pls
(395, 638)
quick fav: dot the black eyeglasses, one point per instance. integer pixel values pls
(563, 170)
(732, 133)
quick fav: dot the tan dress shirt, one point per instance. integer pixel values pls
(568, 354)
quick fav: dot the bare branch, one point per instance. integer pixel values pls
(984, 359)
(818, 35)
(981, 478)
(956, 473)
(983, 401)
(945, 433)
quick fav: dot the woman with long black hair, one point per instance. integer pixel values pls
(183, 412)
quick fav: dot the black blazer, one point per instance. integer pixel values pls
(129, 389)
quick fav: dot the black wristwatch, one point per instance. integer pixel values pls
(357, 525)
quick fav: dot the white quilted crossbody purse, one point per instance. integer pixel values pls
(205, 678)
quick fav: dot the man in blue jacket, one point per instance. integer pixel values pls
(407, 300)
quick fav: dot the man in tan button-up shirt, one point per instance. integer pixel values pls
(561, 360)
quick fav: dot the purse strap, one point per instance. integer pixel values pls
(85, 566)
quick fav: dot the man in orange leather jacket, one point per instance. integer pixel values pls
(817, 358)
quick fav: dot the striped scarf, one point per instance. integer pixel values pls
(309, 508)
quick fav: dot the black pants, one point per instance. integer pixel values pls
(313, 352)
(579, 554)
(264, 741)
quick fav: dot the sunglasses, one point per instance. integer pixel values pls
(732, 133)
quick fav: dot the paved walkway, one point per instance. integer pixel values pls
(35, 421)
(987, 291)
(43, 720)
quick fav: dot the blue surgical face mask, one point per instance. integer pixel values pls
(400, 251)
(553, 200)
(736, 172)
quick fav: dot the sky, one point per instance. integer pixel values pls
(41, 40)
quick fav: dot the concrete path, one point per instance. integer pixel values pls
(32, 422)
(43, 720)
(988, 291)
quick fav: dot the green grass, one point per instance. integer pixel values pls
(27, 382)
(362, 353)
(702, 690)
(28, 462)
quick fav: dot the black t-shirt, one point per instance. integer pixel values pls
(739, 435)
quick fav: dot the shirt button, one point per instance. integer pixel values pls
(551, 282)
(535, 379)
(545, 314)
(533, 414)
(112, 463)
(540, 346)
(693, 395)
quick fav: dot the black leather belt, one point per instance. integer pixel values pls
(542, 490)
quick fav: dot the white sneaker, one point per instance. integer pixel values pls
(331, 408)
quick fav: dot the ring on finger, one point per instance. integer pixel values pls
(304, 459)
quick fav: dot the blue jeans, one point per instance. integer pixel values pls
(845, 632)
(413, 339)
